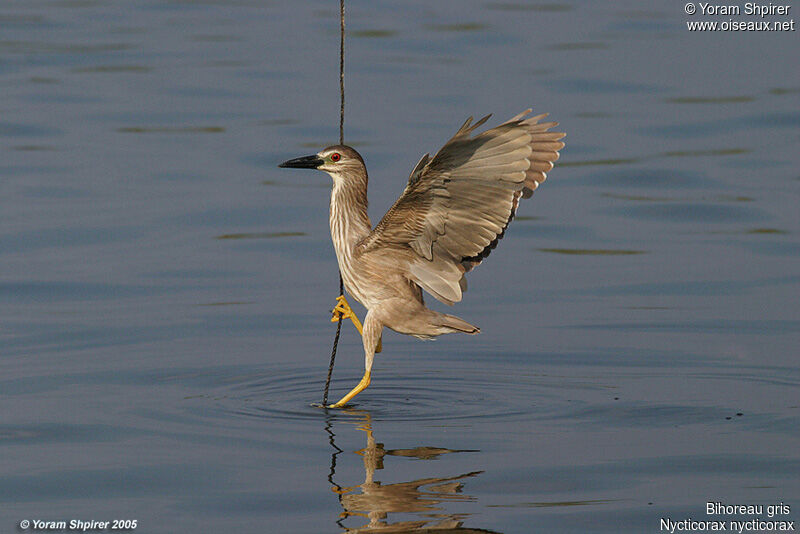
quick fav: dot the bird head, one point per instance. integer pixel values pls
(340, 161)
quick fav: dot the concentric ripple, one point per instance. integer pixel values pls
(428, 394)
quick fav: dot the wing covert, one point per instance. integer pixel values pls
(458, 204)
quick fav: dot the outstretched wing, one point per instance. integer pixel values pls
(458, 204)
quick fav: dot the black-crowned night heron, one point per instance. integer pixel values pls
(455, 208)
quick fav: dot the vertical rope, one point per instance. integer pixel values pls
(341, 142)
(341, 72)
(333, 350)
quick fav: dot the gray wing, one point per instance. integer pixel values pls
(458, 204)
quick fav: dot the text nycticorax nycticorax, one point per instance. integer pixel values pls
(455, 208)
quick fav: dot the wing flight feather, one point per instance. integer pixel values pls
(458, 204)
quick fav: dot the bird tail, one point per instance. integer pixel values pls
(458, 325)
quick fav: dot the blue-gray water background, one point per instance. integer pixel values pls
(164, 287)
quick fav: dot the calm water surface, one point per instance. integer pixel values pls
(164, 287)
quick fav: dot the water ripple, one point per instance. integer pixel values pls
(427, 395)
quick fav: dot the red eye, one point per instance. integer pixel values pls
(335, 157)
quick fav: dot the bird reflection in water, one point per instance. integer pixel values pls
(374, 500)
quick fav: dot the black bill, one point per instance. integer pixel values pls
(306, 162)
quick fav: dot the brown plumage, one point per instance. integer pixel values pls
(454, 210)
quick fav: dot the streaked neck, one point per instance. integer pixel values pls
(348, 215)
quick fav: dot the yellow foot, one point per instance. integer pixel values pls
(355, 391)
(343, 311)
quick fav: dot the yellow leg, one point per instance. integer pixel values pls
(355, 391)
(343, 311)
